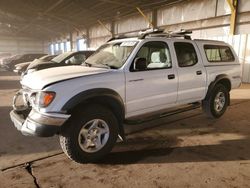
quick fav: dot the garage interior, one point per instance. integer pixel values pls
(183, 150)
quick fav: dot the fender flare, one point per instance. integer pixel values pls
(213, 83)
(108, 97)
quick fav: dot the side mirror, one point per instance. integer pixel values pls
(140, 64)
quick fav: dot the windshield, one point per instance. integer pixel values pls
(112, 55)
(61, 57)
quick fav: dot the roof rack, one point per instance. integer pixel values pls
(144, 33)
(157, 33)
(160, 33)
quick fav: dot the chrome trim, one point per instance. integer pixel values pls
(16, 96)
(55, 119)
(17, 120)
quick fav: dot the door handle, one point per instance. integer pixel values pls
(199, 72)
(136, 80)
(171, 76)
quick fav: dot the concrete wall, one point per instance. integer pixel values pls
(22, 45)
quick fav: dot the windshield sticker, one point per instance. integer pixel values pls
(128, 43)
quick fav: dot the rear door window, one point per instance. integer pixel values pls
(217, 53)
(186, 54)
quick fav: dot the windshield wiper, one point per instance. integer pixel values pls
(100, 65)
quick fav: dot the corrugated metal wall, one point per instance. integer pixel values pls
(210, 19)
(132, 23)
(99, 35)
(207, 19)
(22, 45)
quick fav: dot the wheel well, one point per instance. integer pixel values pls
(225, 82)
(221, 79)
(106, 101)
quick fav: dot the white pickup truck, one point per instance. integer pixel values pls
(126, 80)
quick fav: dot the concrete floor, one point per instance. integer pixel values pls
(184, 150)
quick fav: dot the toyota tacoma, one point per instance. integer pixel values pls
(127, 80)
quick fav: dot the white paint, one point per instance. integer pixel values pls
(153, 91)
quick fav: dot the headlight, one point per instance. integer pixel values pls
(31, 70)
(43, 98)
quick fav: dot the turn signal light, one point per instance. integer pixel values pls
(44, 98)
(48, 98)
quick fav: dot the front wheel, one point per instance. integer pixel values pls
(217, 103)
(90, 134)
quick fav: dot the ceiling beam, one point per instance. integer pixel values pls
(44, 12)
(119, 3)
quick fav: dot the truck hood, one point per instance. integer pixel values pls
(36, 64)
(39, 79)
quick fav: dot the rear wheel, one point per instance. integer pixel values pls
(90, 134)
(217, 103)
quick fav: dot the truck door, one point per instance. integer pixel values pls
(191, 72)
(155, 86)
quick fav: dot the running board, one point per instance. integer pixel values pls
(163, 114)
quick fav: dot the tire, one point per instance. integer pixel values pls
(79, 141)
(211, 107)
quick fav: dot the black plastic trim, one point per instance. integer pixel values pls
(212, 84)
(98, 93)
(88, 94)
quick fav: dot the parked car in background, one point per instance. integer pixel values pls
(21, 67)
(6, 60)
(4, 55)
(9, 63)
(67, 58)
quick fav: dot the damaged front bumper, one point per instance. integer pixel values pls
(32, 122)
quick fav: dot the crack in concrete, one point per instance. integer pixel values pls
(29, 168)
(32, 161)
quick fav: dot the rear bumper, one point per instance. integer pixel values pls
(38, 124)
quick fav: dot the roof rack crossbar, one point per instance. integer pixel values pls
(158, 33)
